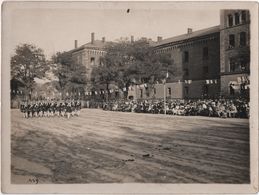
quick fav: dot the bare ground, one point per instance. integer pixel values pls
(114, 147)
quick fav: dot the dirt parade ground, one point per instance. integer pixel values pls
(115, 147)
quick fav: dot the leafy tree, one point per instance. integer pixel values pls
(128, 63)
(27, 64)
(72, 77)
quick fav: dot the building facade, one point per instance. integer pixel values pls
(196, 56)
(89, 54)
(234, 52)
(209, 63)
(214, 61)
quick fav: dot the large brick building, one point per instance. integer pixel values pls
(196, 57)
(209, 62)
(89, 54)
(214, 61)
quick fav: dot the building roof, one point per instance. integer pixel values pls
(97, 44)
(187, 36)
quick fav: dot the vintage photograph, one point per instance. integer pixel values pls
(126, 93)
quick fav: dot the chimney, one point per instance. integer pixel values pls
(189, 30)
(131, 38)
(103, 39)
(75, 44)
(159, 39)
(92, 37)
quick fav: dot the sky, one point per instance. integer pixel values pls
(54, 27)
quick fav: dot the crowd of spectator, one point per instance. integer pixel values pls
(233, 108)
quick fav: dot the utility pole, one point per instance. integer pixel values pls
(164, 81)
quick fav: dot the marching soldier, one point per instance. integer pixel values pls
(58, 109)
(35, 109)
(78, 107)
(73, 107)
(63, 108)
(69, 109)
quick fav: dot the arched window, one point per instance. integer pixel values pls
(230, 20)
(92, 61)
(237, 19)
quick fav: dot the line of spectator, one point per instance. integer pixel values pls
(232, 108)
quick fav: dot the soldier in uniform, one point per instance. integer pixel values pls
(78, 107)
(58, 108)
(26, 109)
(29, 110)
(68, 109)
(48, 108)
(52, 108)
(23, 108)
(35, 109)
(63, 108)
(44, 109)
(40, 109)
(73, 107)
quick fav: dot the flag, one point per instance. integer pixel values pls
(96, 92)
(179, 81)
(189, 81)
(207, 82)
(79, 93)
(185, 81)
(124, 89)
(67, 94)
(216, 81)
(90, 93)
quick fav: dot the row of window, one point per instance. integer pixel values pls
(205, 91)
(169, 92)
(96, 52)
(232, 40)
(237, 18)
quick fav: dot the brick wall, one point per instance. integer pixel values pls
(196, 65)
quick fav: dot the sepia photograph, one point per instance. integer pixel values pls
(129, 93)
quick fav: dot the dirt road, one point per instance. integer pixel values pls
(105, 147)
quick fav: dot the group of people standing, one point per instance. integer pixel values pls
(51, 108)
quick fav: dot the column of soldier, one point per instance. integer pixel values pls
(46, 108)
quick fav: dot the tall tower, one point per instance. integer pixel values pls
(234, 52)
